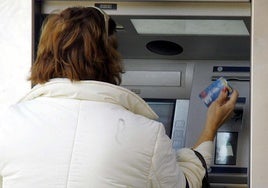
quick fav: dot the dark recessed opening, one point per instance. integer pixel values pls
(163, 47)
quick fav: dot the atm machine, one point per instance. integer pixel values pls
(172, 50)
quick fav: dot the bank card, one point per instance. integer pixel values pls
(212, 92)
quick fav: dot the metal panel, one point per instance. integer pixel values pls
(238, 162)
(151, 78)
(180, 124)
(157, 78)
(195, 47)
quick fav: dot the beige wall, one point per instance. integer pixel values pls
(15, 49)
(259, 95)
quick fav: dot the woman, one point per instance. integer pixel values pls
(77, 128)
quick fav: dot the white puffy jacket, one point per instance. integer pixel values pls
(90, 134)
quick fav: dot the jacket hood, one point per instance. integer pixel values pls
(92, 91)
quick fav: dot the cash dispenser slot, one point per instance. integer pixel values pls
(234, 181)
(236, 177)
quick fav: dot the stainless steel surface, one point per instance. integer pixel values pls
(195, 47)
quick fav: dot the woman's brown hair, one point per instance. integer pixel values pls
(75, 44)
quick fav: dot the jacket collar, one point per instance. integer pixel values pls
(93, 91)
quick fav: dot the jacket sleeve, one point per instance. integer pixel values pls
(171, 169)
(191, 165)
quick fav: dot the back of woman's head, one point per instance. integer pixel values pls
(79, 43)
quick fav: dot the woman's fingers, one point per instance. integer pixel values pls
(222, 98)
(233, 97)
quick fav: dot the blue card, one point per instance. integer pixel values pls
(212, 92)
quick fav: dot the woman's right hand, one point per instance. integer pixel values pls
(221, 110)
(218, 112)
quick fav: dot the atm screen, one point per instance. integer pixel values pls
(165, 110)
(226, 146)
